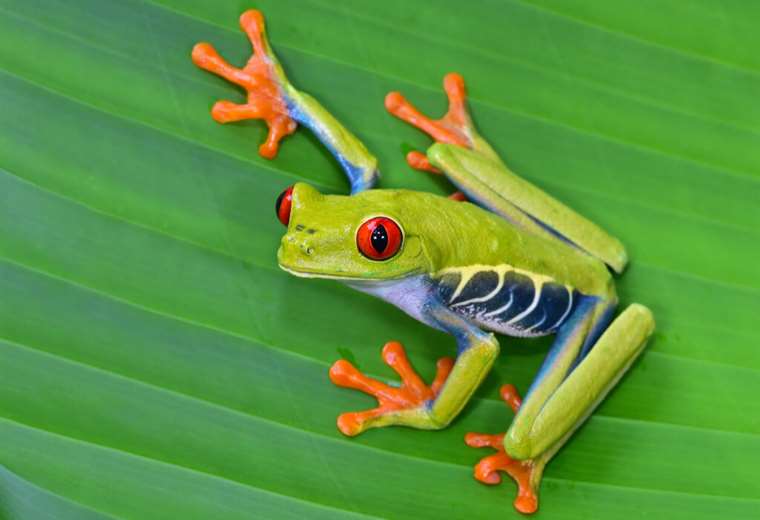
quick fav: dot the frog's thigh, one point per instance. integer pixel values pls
(585, 387)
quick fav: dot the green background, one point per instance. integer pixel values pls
(155, 363)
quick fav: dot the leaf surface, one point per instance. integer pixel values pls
(157, 364)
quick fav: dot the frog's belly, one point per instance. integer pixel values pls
(509, 301)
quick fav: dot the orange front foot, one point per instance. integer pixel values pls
(406, 404)
(260, 78)
(524, 472)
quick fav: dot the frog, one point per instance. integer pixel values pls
(498, 256)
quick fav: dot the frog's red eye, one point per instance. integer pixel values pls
(282, 206)
(379, 238)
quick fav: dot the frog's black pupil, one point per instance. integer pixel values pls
(379, 238)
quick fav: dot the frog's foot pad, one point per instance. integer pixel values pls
(455, 127)
(261, 78)
(522, 471)
(405, 404)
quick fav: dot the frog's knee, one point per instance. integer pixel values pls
(642, 315)
(517, 444)
(441, 153)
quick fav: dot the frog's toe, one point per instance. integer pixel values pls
(406, 404)
(419, 161)
(526, 473)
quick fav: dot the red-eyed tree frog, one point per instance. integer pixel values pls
(512, 260)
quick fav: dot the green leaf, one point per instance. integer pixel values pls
(155, 362)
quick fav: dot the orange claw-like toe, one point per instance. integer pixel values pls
(419, 161)
(260, 79)
(411, 394)
(521, 471)
(454, 127)
(511, 396)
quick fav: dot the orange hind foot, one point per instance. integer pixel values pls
(455, 127)
(406, 404)
(524, 472)
(261, 78)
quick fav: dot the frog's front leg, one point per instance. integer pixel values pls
(273, 98)
(415, 404)
(583, 365)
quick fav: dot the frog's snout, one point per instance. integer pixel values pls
(297, 244)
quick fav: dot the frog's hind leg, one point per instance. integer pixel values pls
(574, 379)
(473, 166)
(272, 98)
(525, 473)
(455, 127)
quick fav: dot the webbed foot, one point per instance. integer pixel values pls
(263, 80)
(526, 473)
(455, 127)
(406, 405)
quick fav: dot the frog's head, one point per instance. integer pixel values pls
(369, 236)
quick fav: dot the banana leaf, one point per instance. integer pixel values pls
(155, 363)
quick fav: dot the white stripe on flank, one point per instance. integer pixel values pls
(487, 296)
(569, 306)
(460, 287)
(502, 308)
(536, 325)
(536, 296)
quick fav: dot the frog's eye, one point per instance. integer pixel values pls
(282, 206)
(379, 238)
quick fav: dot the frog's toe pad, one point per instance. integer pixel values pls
(405, 404)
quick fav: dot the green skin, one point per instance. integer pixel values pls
(515, 226)
(441, 234)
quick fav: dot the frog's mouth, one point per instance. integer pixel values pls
(305, 272)
(308, 273)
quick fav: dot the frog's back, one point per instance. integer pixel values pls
(465, 237)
